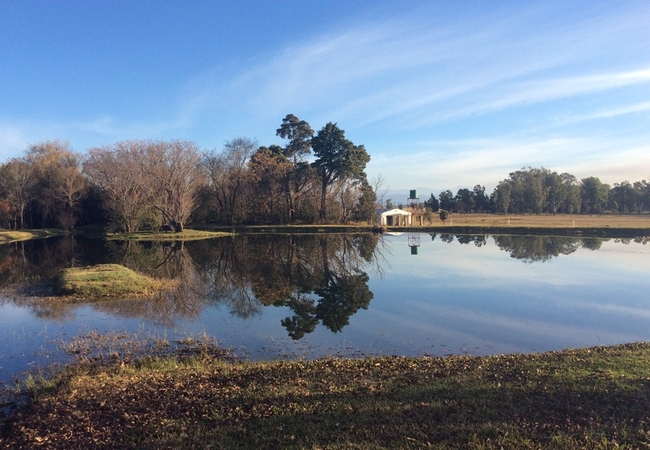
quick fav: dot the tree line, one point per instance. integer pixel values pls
(131, 185)
(314, 178)
(542, 191)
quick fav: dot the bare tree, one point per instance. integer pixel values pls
(58, 180)
(173, 170)
(116, 170)
(70, 187)
(268, 169)
(228, 175)
(16, 184)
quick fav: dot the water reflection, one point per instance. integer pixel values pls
(320, 279)
(532, 249)
(316, 279)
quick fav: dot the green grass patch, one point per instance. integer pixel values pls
(573, 399)
(104, 280)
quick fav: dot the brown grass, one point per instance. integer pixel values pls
(545, 221)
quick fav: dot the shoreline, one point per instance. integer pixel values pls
(603, 226)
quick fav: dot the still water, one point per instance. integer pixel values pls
(305, 296)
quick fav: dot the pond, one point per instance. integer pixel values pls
(305, 296)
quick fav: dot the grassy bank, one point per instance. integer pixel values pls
(7, 236)
(590, 398)
(185, 235)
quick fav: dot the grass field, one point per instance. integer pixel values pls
(545, 221)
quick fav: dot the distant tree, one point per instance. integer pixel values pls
(464, 201)
(624, 198)
(432, 203)
(481, 200)
(594, 194)
(444, 215)
(502, 197)
(528, 190)
(447, 201)
(572, 186)
(337, 158)
(557, 192)
(642, 189)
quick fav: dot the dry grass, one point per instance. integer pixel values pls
(545, 221)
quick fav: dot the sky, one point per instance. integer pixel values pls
(442, 94)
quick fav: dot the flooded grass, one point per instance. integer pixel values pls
(589, 398)
(104, 280)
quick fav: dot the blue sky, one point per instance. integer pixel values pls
(443, 94)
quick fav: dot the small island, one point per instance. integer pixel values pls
(104, 280)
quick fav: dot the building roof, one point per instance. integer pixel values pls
(396, 212)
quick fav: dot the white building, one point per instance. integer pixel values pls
(396, 218)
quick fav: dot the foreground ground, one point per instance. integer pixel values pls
(590, 398)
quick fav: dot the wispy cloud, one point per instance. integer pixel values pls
(607, 113)
(421, 71)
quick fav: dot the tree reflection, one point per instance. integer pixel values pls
(170, 261)
(319, 279)
(537, 248)
(341, 297)
(304, 319)
(27, 261)
(528, 248)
